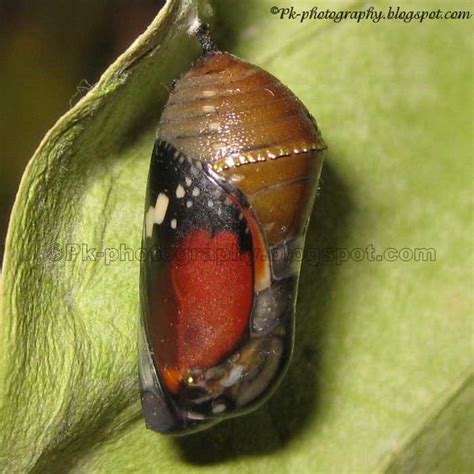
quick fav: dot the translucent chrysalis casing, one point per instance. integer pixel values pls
(232, 181)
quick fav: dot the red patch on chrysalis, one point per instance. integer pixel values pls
(205, 310)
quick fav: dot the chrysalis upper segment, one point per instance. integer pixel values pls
(230, 113)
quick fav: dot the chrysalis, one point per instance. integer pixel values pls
(231, 186)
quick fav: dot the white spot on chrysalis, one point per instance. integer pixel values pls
(189, 203)
(188, 181)
(180, 191)
(208, 108)
(219, 408)
(173, 223)
(210, 203)
(196, 192)
(156, 215)
(160, 208)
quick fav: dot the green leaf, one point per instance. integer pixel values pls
(381, 377)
